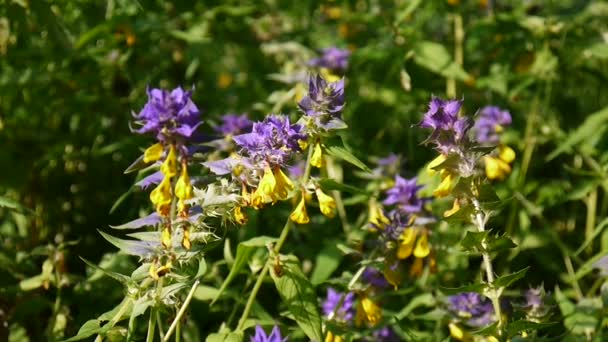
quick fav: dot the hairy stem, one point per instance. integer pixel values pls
(181, 311)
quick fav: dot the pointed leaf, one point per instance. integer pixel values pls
(88, 329)
(150, 220)
(347, 156)
(448, 291)
(225, 337)
(330, 184)
(507, 280)
(326, 263)
(123, 279)
(132, 247)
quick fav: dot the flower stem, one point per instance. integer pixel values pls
(480, 220)
(151, 326)
(277, 248)
(181, 311)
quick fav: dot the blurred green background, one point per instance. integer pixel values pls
(73, 71)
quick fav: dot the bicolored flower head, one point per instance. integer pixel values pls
(404, 194)
(490, 123)
(271, 141)
(332, 58)
(233, 124)
(346, 310)
(536, 304)
(475, 309)
(450, 132)
(324, 103)
(275, 335)
(375, 278)
(168, 114)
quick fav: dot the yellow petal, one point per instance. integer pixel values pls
(153, 153)
(416, 268)
(376, 216)
(152, 271)
(283, 185)
(454, 210)
(393, 275)
(169, 166)
(506, 154)
(328, 75)
(326, 203)
(434, 163)
(299, 214)
(183, 188)
(457, 333)
(239, 216)
(445, 187)
(267, 185)
(317, 156)
(368, 311)
(186, 243)
(161, 197)
(165, 238)
(406, 247)
(422, 249)
(496, 168)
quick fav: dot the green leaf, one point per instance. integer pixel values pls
(123, 279)
(472, 241)
(462, 215)
(475, 287)
(298, 294)
(243, 252)
(516, 327)
(347, 156)
(330, 184)
(507, 280)
(225, 337)
(436, 58)
(10, 204)
(426, 299)
(326, 263)
(594, 123)
(205, 293)
(499, 243)
(88, 329)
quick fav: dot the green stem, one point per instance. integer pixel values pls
(458, 53)
(181, 311)
(151, 326)
(590, 220)
(277, 249)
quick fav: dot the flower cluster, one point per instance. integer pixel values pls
(488, 128)
(339, 306)
(323, 105)
(332, 58)
(233, 124)
(472, 308)
(450, 131)
(261, 336)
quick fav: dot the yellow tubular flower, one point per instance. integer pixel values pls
(239, 216)
(186, 243)
(266, 188)
(283, 185)
(165, 237)
(152, 271)
(408, 237)
(422, 249)
(316, 159)
(445, 187)
(183, 189)
(376, 216)
(496, 168)
(416, 268)
(333, 338)
(458, 334)
(393, 275)
(367, 311)
(454, 210)
(506, 154)
(169, 166)
(434, 163)
(161, 197)
(326, 203)
(299, 214)
(153, 153)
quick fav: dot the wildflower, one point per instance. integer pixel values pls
(165, 237)
(339, 306)
(332, 58)
(449, 130)
(330, 337)
(161, 197)
(169, 166)
(326, 203)
(367, 312)
(233, 124)
(375, 278)
(239, 216)
(168, 115)
(490, 123)
(316, 159)
(385, 334)
(406, 247)
(186, 243)
(453, 210)
(416, 268)
(445, 186)
(404, 195)
(153, 153)
(299, 214)
(323, 104)
(473, 307)
(275, 335)
(535, 304)
(376, 216)
(183, 189)
(156, 273)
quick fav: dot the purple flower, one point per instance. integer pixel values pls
(275, 335)
(233, 124)
(345, 312)
(404, 195)
(476, 309)
(375, 278)
(333, 58)
(324, 102)
(490, 123)
(536, 304)
(168, 115)
(271, 141)
(449, 130)
(297, 170)
(385, 334)
(602, 265)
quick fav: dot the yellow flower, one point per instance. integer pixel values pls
(393, 275)
(408, 238)
(161, 197)
(445, 187)
(283, 185)
(506, 154)
(434, 163)
(496, 168)
(367, 311)
(153, 153)
(458, 333)
(186, 243)
(326, 203)
(299, 214)
(169, 166)
(165, 237)
(416, 268)
(183, 189)
(317, 156)
(328, 75)
(454, 210)
(333, 338)
(239, 216)
(264, 192)
(376, 216)
(422, 249)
